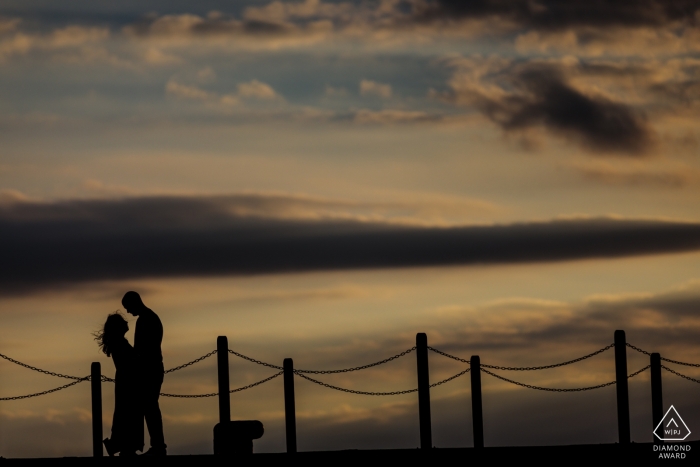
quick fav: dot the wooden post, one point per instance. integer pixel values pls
(426, 435)
(290, 417)
(623, 402)
(477, 413)
(96, 386)
(657, 404)
(224, 394)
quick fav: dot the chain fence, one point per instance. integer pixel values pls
(680, 363)
(196, 360)
(648, 354)
(50, 373)
(212, 394)
(588, 388)
(304, 374)
(546, 367)
(680, 374)
(526, 368)
(444, 354)
(240, 355)
(357, 368)
(696, 365)
(368, 393)
(37, 394)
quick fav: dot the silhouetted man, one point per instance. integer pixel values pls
(147, 339)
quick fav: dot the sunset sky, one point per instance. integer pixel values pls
(322, 180)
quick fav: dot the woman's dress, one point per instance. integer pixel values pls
(127, 423)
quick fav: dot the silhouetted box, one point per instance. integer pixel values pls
(236, 438)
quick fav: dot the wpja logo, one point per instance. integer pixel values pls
(672, 428)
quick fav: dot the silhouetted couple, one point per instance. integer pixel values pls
(138, 379)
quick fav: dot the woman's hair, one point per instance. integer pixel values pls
(115, 327)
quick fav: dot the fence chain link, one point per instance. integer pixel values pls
(79, 380)
(680, 363)
(353, 391)
(530, 386)
(212, 394)
(347, 370)
(368, 393)
(545, 367)
(696, 365)
(269, 365)
(191, 363)
(638, 349)
(450, 378)
(448, 355)
(50, 373)
(680, 374)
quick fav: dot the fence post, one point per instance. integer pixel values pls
(657, 404)
(426, 435)
(224, 394)
(477, 413)
(290, 417)
(623, 402)
(96, 386)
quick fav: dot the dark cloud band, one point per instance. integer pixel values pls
(562, 14)
(47, 245)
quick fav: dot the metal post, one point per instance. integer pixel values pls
(290, 418)
(426, 436)
(623, 402)
(96, 386)
(224, 394)
(657, 404)
(477, 413)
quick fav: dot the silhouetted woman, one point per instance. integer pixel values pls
(127, 424)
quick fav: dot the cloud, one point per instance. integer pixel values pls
(290, 24)
(278, 11)
(661, 322)
(563, 14)
(70, 43)
(530, 95)
(215, 24)
(49, 244)
(621, 42)
(156, 56)
(373, 88)
(206, 75)
(675, 177)
(258, 90)
(62, 432)
(187, 92)
(250, 90)
(393, 116)
(8, 24)
(10, 197)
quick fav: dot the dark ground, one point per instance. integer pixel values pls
(636, 452)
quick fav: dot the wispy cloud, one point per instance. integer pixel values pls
(653, 176)
(373, 88)
(252, 90)
(664, 321)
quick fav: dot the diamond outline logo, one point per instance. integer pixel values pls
(662, 425)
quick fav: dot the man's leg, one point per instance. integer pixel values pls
(151, 412)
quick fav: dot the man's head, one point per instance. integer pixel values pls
(132, 303)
